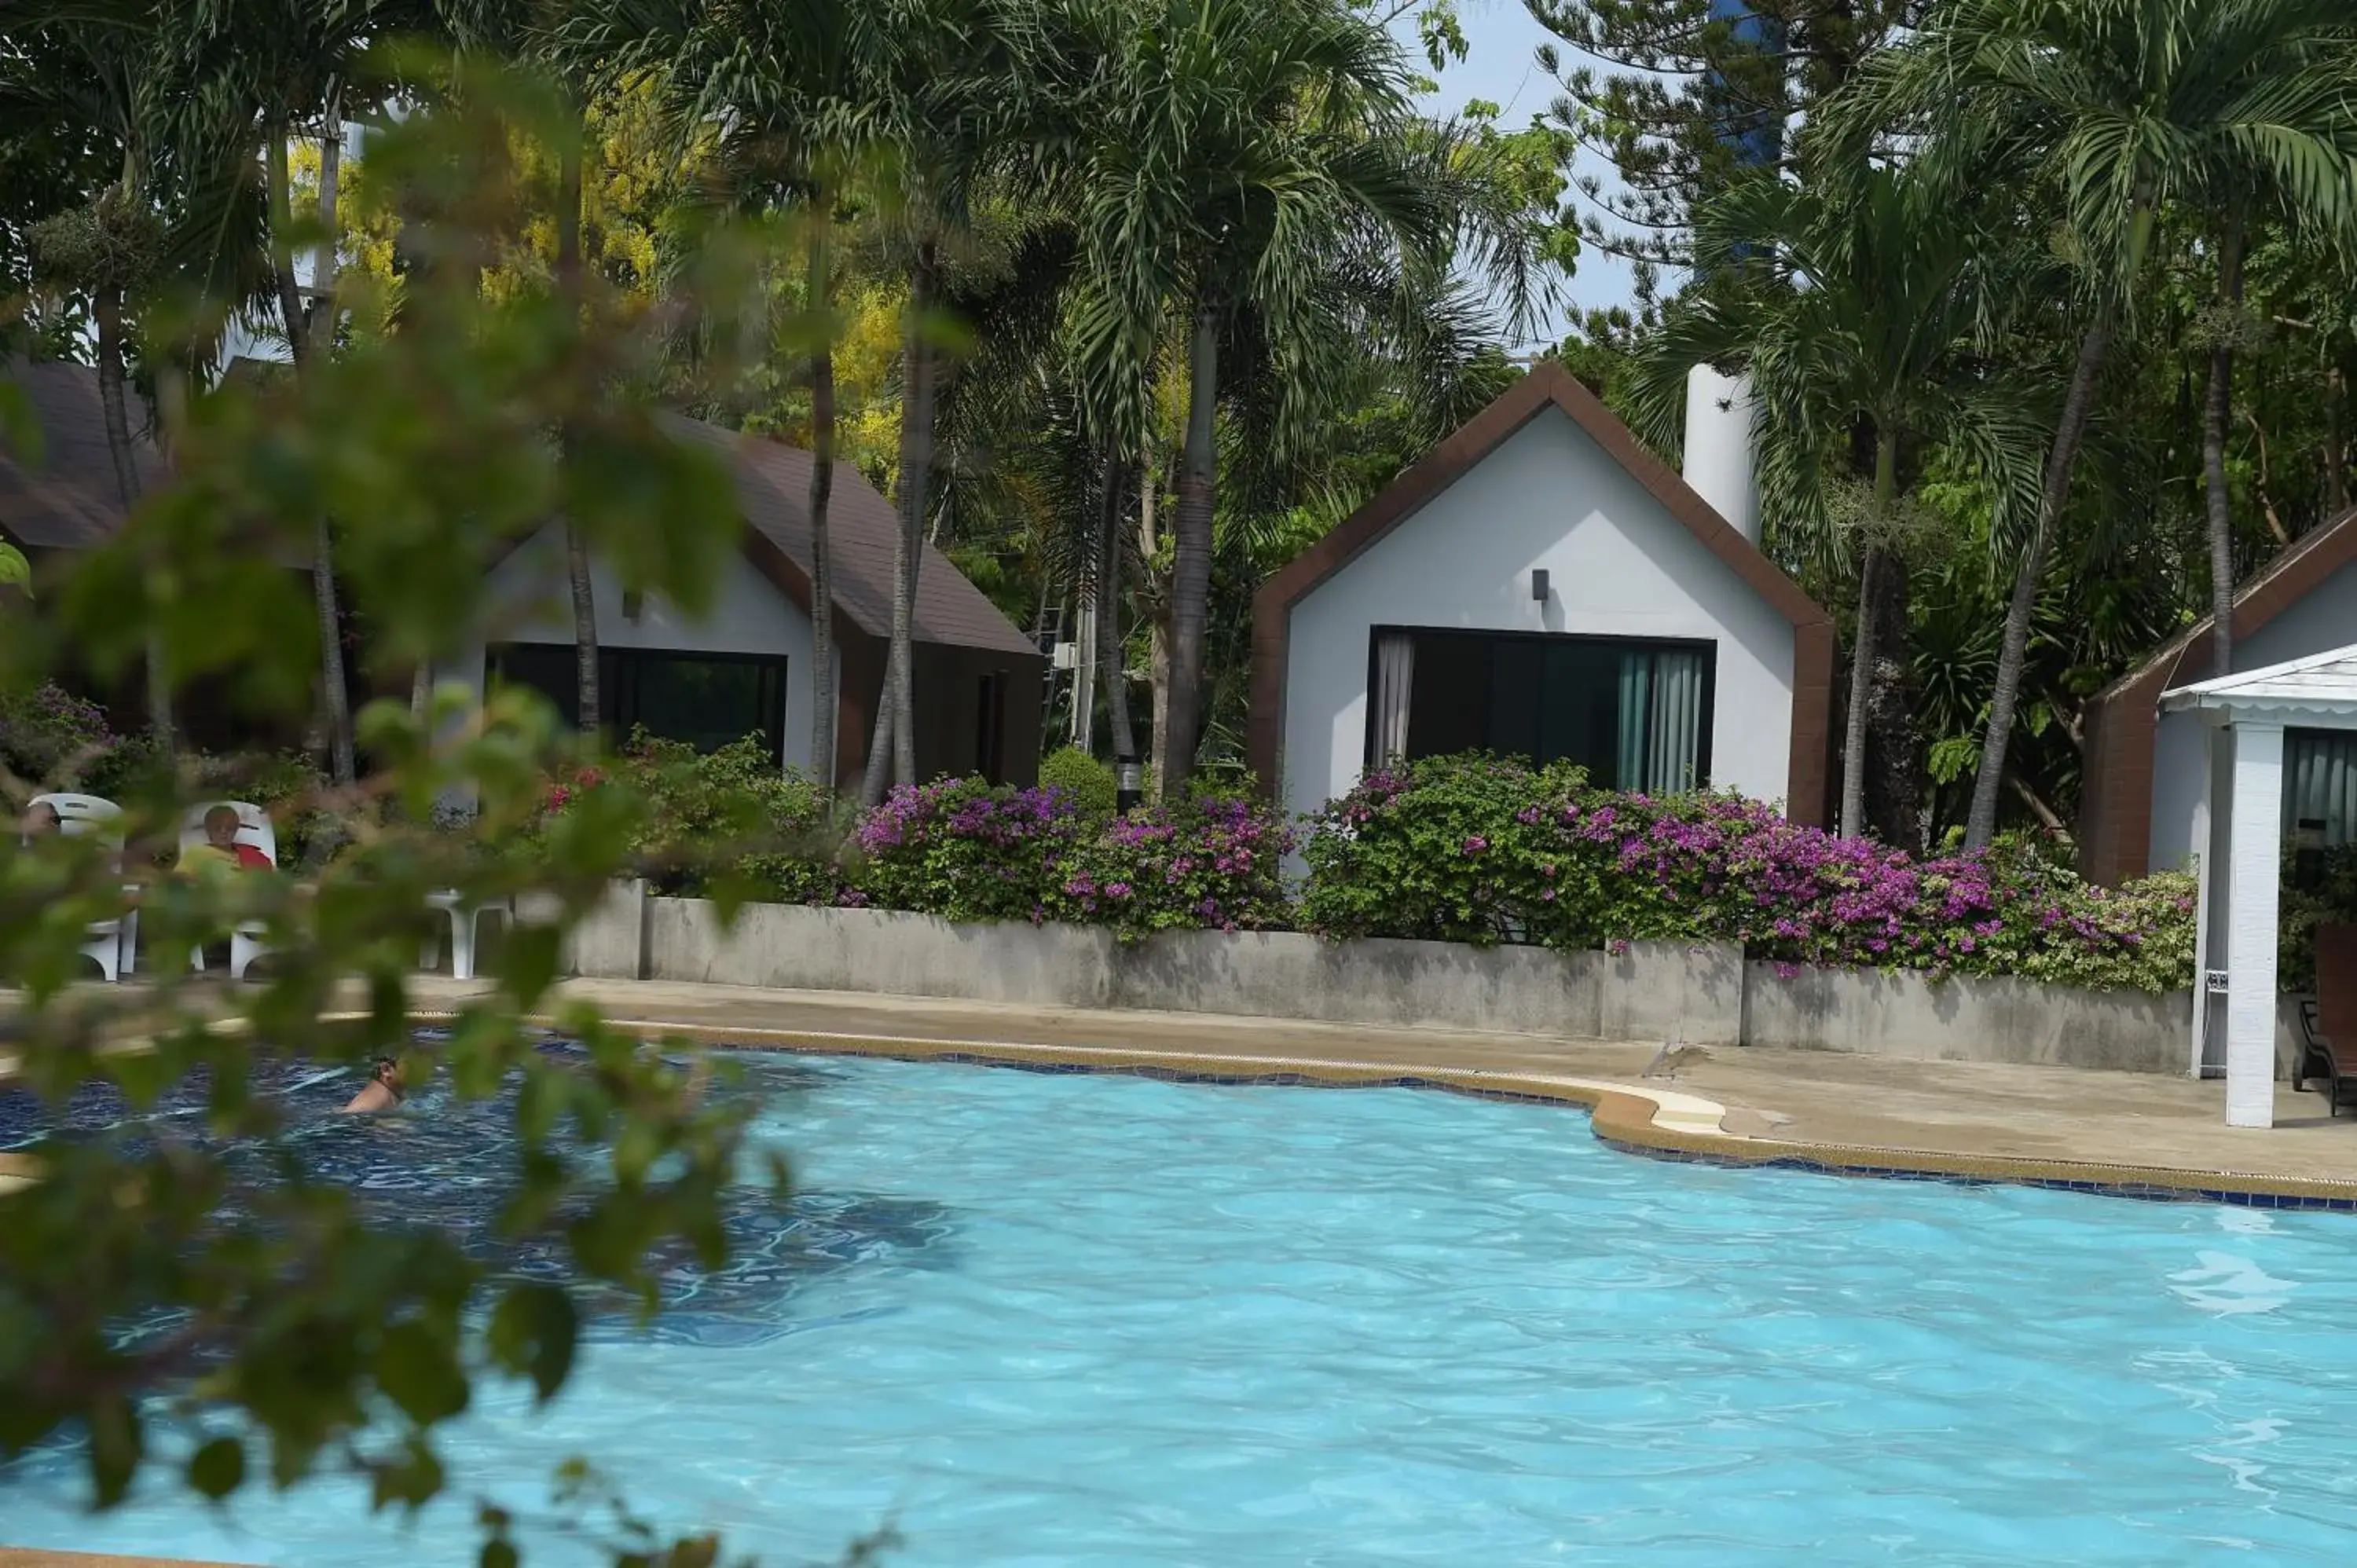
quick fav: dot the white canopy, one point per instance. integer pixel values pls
(2319, 692)
(2242, 869)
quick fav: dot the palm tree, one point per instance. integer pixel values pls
(1853, 303)
(785, 97)
(961, 87)
(2128, 104)
(296, 70)
(1228, 158)
(167, 213)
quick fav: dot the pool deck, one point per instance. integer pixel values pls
(2142, 1134)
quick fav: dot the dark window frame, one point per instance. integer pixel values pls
(1705, 719)
(618, 697)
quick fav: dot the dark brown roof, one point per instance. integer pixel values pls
(67, 498)
(1549, 385)
(68, 501)
(773, 487)
(2115, 795)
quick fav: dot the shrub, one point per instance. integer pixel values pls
(1205, 861)
(2331, 900)
(963, 850)
(1090, 782)
(1476, 849)
(50, 736)
(727, 819)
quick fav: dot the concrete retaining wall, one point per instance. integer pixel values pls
(1699, 994)
(1966, 1018)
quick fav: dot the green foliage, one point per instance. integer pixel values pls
(963, 850)
(1088, 782)
(1480, 849)
(2330, 898)
(136, 1274)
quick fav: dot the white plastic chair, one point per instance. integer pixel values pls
(465, 921)
(94, 815)
(254, 827)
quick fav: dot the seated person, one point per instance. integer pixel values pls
(40, 821)
(221, 851)
(381, 1092)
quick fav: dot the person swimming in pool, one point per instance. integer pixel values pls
(383, 1090)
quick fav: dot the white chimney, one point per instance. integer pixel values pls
(1718, 446)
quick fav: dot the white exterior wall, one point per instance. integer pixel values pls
(748, 615)
(2325, 619)
(1619, 566)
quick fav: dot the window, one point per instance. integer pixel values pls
(1635, 714)
(2321, 782)
(707, 700)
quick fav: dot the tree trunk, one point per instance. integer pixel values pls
(2013, 653)
(1191, 569)
(588, 700)
(895, 717)
(822, 488)
(1894, 750)
(322, 325)
(2336, 441)
(291, 314)
(1112, 646)
(1156, 594)
(107, 308)
(335, 699)
(1861, 677)
(2217, 410)
(1862, 651)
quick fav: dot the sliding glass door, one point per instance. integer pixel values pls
(1635, 714)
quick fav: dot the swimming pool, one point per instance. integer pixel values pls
(1068, 1319)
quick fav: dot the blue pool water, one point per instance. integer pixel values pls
(1069, 1320)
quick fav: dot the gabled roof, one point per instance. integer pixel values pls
(2299, 568)
(1549, 385)
(773, 487)
(2322, 685)
(69, 500)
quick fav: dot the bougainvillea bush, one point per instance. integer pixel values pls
(965, 850)
(1482, 850)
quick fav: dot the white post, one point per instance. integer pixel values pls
(2206, 886)
(2253, 880)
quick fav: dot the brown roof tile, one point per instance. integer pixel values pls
(773, 487)
(66, 498)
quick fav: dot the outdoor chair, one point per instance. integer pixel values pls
(253, 828)
(2336, 1011)
(111, 941)
(465, 921)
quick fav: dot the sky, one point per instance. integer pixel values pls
(1501, 38)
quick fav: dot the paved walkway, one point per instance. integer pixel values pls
(1969, 1108)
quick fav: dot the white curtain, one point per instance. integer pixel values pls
(2321, 782)
(1394, 680)
(1678, 723)
(1661, 720)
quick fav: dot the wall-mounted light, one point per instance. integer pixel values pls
(1539, 584)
